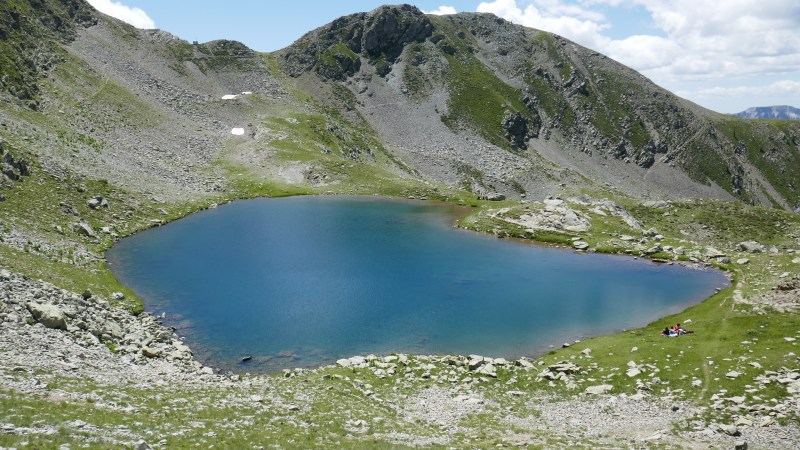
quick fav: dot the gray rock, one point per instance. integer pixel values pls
(475, 363)
(48, 315)
(389, 28)
(633, 371)
(657, 204)
(524, 363)
(492, 197)
(650, 232)
(488, 370)
(752, 247)
(713, 253)
(653, 250)
(564, 366)
(142, 445)
(97, 202)
(740, 445)
(730, 430)
(518, 129)
(84, 229)
(599, 389)
(151, 352)
(12, 168)
(580, 245)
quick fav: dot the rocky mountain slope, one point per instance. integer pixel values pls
(782, 112)
(476, 100)
(468, 101)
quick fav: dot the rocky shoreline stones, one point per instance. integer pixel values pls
(48, 315)
(84, 337)
(87, 319)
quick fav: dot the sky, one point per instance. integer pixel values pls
(725, 55)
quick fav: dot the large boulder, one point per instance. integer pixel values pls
(84, 229)
(599, 389)
(713, 253)
(48, 315)
(492, 196)
(97, 202)
(752, 247)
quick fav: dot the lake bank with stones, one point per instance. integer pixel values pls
(305, 281)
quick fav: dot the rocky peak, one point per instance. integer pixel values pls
(334, 51)
(224, 47)
(389, 28)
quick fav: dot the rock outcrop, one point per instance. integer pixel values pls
(334, 51)
(518, 129)
(11, 168)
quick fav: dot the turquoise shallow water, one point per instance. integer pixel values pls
(303, 281)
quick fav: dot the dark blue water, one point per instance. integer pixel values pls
(303, 281)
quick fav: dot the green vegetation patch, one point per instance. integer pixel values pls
(704, 164)
(549, 98)
(777, 159)
(478, 99)
(337, 62)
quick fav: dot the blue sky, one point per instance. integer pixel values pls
(724, 55)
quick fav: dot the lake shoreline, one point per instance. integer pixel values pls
(566, 414)
(258, 223)
(77, 354)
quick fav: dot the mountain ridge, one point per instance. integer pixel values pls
(784, 112)
(624, 117)
(547, 107)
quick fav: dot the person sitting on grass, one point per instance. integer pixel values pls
(668, 332)
(680, 331)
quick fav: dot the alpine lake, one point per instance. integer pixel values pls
(303, 281)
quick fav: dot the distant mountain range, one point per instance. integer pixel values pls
(771, 112)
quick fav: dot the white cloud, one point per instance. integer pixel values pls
(442, 11)
(643, 52)
(778, 88)
(134, 16)
(571, 21)
(691, 40)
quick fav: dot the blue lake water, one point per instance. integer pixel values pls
(303, 281)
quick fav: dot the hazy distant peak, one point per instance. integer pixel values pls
(771, 112)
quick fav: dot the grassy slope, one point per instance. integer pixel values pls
(333, 398)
